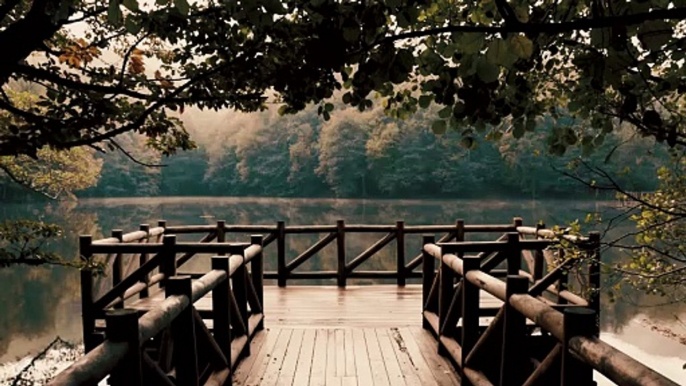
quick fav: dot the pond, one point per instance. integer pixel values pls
(38, 304)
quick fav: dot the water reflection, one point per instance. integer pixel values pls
(39, 303)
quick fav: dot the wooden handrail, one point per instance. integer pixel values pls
(576, 341)
(107, 357)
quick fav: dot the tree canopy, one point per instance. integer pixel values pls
(494, 65)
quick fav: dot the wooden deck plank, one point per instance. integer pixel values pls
(381, 357)
(254, 376)
(404, 360)
(318, 372)
(395, 376)
(350, 381)
(340, 353)
(276, 358)
(439, 366)
(290, 362)
(349, 354)
(326, 306)
(417, 358)
(379, 374)
(304, 364)
(246, 365)
(362, 367)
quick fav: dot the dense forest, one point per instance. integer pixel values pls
(360, 155)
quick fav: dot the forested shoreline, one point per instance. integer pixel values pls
(356, 155)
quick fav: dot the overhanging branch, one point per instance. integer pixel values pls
(548, 28)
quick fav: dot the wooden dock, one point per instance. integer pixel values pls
(486, 313)
(306, 306)
(345, 356)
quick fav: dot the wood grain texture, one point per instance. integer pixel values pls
(378, 357)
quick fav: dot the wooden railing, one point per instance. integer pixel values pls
(531, 340)
(347, 268)
(171, 344)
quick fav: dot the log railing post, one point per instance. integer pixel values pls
(517, 222)
(162, 224)
(240, 293)
(445, 295)
(340, 247)
(257, 272)
(459, 230)
(577, 322)
(144, 259)
(514, 254)
(168, 261)
(562, 282)
(513, 370)
(539, 259)
(87, 296)
(281, 253)
(185, 355)
(470, 313)
(400, 250)
(117, 265)
(122, 326)
(594, 274)
(221, 307)
(428, 275)
(221, 234)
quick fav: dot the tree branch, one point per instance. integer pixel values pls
(547, 28)
(6, 8)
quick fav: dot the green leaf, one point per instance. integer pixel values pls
(131, 4)
(328, 107)
(425, 101)
(522, 46)
(518, 132)
(182, 6)
(283, 109)
(654, 34)
(470, 43)
(499, 53)
(487, 72)
(351, 32)
(445, 112)
(273, 6)
(522, 13)
(131, 26)
(439, 127)
(114, 15)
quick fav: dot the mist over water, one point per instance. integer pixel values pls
(42, 303)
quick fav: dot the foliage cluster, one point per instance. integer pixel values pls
(366, 155)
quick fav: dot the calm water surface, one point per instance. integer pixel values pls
(38, 304)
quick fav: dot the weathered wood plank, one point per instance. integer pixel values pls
(404, 360)
(290, 362)
(442, 370)
(349, 355)
(304, 364)
(379, 374)
(331, 365)
(318, 372)
(420, 365)
(340, 353)
(276, 358)
(395, 375)
(251, 373)
(362, 367)
(260, 368)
